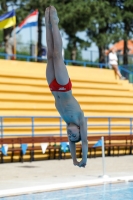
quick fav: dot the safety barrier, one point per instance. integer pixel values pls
(108, 125)
(126, 72)
(67, 62)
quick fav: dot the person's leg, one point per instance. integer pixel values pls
(61, 73)
(117, 72)
(50, 74)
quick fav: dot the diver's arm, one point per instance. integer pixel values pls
(73, 152)
(83, 132)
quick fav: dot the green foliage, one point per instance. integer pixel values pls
(107, 24)
(1, 36)
(68, 54)
(105, 21)
(2, 50)
(27, 6)
(73, 18)
(125, 8)
(101, 26)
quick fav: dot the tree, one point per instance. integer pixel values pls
(68, 54)
(25, 7)
(74, 17)
(103, 27)
(112, 21)
(1, 36)
(1, 42)
(126, 11)
(71, 16)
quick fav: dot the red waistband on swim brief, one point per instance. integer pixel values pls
(54, 86)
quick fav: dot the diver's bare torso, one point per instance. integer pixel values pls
(67, 106)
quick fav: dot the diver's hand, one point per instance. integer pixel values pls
(76, 163)
(82, 163)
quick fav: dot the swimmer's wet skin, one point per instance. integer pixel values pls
(61, 88)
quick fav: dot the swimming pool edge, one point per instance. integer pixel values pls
(62, 186)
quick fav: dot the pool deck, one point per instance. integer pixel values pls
(23, 178)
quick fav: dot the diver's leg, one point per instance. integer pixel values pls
(61, 73)
(50, 74)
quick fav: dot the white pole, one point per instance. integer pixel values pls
(103, 155)
(103, 158)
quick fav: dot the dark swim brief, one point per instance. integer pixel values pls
(54, 86)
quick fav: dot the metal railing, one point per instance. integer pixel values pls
(128, 68)
(67, 62)
(126, 73)
(108, 126)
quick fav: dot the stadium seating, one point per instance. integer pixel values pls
(24, 92)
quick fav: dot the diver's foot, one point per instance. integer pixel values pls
(53, 16)
(47, 17)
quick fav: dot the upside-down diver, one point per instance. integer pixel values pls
(60, 86)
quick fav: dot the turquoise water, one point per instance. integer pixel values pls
(122, 191)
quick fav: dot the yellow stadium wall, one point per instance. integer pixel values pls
(24, 92)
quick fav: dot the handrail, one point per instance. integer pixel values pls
(109, 124)
(126, 70)
(126, 73)
(28, 58)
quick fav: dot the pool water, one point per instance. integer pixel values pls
(121, 191)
